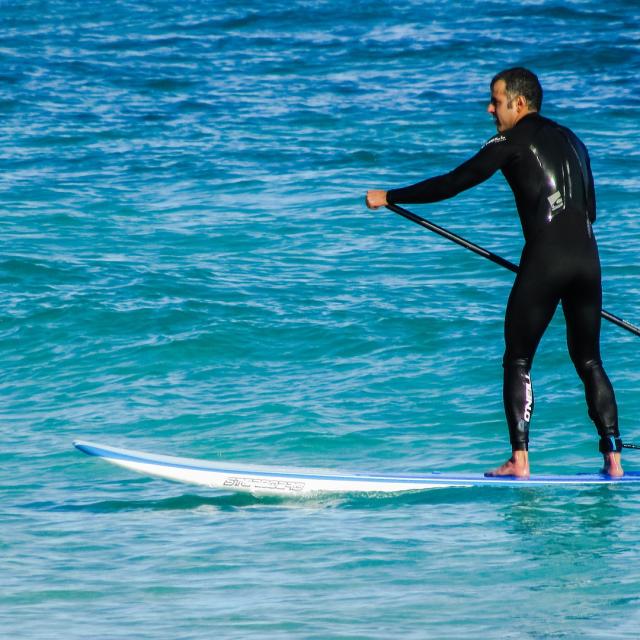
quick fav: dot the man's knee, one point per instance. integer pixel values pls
(513, 362)
(587, 367)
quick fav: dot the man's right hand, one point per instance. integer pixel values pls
(376, 198)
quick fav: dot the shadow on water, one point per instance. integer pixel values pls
(232, 501)
(186, 502)
(585, 509)
(527, 509)
(572, 529)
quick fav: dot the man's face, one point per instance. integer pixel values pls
(505, 117)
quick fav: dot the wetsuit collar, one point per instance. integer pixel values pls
(529, 116)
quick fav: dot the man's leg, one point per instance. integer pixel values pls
(581, 308)
(529, 310)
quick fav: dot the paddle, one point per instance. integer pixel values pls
(491, 256)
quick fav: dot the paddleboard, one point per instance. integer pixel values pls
(288, 481)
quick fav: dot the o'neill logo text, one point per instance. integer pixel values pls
(528, 390)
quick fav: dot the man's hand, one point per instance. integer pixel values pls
(376, 198)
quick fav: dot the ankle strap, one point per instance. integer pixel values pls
(610, 444)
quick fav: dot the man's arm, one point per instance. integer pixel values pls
(470, 173)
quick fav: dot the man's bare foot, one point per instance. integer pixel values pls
(517, 465)
(612, 465)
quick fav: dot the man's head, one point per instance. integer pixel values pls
(514, 93)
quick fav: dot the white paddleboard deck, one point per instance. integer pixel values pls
(267, 480)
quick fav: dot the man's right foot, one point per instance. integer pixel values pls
(517, 465)
(612, 465)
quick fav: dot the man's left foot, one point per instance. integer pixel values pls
(612, 465)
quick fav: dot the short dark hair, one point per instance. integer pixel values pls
(521, 82)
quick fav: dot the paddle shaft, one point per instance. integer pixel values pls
(491, 256)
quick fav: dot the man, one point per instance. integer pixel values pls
(548, 170)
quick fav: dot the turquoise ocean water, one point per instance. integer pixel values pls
(187, 267)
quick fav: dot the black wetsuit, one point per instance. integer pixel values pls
(548, 169)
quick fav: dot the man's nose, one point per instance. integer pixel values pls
(490, 108)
